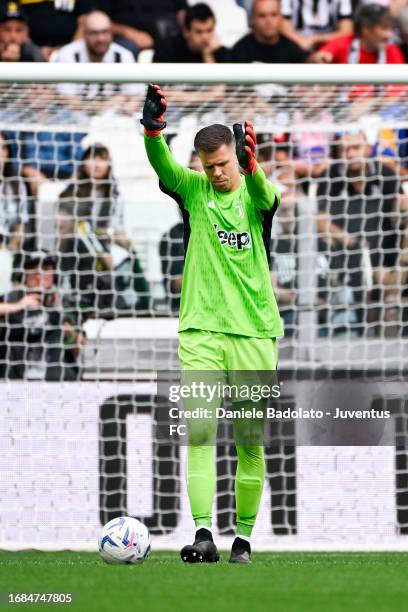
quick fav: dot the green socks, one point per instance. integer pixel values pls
(201, 481)
(201, 484)
(249, 483)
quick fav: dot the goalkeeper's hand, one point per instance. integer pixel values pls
(245, 142)
(153, 111)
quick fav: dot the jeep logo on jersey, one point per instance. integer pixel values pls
(236, 240)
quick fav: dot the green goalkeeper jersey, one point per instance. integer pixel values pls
(226, 281)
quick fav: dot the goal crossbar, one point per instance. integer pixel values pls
(204, 73)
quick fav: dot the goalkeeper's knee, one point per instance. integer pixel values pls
(201, 433)
(251, 461)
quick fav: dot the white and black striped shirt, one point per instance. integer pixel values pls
(316, 16)
(78, 52)
(13, 207)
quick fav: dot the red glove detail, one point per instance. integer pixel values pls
(250, 138)
(245, 142)
(153, 111)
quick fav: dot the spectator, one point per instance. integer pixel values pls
(274, 154)
(357, 207)
(171, 251)
(265, 43)
(37, 342)
(284, 259)
(97, 46)
(265, 152)
(95, 193)
(295, 159)
(55, 23)
(13, 200)
(394, 6)
(84, 264)
(163, 18)
(371, 43)
(402, 21)
(14, 36)
(127, 24)
(94, 202)
(41, 155)
(31, 300)
(138, 23)
(312, 147)
(311, 23)
(393, 313)
(197, 43)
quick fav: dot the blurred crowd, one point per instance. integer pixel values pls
(93, 270)
(358, 184)
(290, 31)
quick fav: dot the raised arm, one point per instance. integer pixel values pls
(265, 194)
(173, 176)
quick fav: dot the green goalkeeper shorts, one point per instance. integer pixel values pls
(207, 350)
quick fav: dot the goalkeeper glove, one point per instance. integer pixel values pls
(245, 143)
(153, 111)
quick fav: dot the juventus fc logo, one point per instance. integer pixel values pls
(240, 210)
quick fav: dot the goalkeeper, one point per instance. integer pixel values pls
(229, 319)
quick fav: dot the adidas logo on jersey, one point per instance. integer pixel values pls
(235, 240)
(211, 204)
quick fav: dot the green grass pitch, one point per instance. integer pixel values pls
(276, 582)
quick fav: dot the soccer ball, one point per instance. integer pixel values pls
(124, 540)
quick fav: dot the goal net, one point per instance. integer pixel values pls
(91, 269)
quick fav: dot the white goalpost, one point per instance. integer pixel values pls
(83, 446)
(311, 74)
